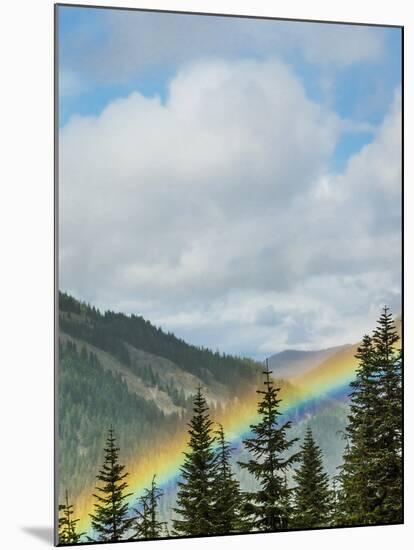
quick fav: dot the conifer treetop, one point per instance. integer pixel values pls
(111, 519)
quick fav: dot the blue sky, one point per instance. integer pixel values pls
(334, 105)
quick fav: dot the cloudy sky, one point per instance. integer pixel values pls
(235, 181)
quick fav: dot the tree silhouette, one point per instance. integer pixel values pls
(195, 499)
(312, 496)
(371, 474)
(389, 465)
(269, 463)
(358, 495)
(67, 524)
(110, 521)
(147, 525)
(227, 498)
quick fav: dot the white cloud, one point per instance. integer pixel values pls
(214, 215)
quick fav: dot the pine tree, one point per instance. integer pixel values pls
(195, 497)
(147, 525)
(110, 520)
(335, 514)
(357, 495)
(312, 496)
(371, 474)
(67, 525)
(389, 466)
(227, 498)
(269, 446)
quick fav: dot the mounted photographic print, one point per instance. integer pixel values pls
(229, 275)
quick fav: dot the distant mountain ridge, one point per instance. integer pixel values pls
(290, 363)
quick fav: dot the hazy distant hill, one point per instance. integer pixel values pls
(290, 362)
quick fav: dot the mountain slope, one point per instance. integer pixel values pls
(113, 332)
(121, 370)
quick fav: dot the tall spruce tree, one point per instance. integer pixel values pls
(227, 498)
(312, 496)
(67, 524)
(147, 524)
(110, 521)
(358, 492)
(371, 474)
(389, 466)
(195, 499)
(269, 446)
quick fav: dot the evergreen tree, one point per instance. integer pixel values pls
(195, 497)
(269, 463)
(335, 515)
(371, 474)
(226, 490)
(147, 524)
(110, 520)
(312, 496)
(389, 466)
(357, 496)
(67, 525)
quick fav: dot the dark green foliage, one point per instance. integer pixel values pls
(90, 397)
(69, 304)
(147, 525)
(358, 495)
(152, 378)
(371, 474)
(110, 520)
(389, 362)
(67, 524)
(312, 496)
(110, 331)
(269, 506)
(195, 500)
(227, 498)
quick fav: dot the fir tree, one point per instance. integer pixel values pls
(312, 496)
(195, 497)
(67, 525)
(110, 520)
(371, 474)
(269, 446)
(335, 516)
(147, 524)
(226, 490)
(389, 465)
(357, 496)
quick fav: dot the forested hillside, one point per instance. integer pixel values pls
(113, 331)
(120, 369)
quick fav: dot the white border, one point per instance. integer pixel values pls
(26, 272)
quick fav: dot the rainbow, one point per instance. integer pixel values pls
(301, 395)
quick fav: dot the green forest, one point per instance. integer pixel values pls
(292, 488)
